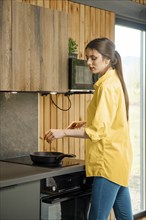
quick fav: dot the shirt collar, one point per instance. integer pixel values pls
(108, 74)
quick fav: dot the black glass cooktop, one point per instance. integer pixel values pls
(26, 160)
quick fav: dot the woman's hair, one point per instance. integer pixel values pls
(107, 49)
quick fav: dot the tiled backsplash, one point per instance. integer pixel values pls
(18, 124)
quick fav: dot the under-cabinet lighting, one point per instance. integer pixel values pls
(53, 93)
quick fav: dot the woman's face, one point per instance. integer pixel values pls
(97, 64)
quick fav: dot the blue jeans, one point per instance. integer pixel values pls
(107, 195)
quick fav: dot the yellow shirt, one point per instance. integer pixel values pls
(108, 149)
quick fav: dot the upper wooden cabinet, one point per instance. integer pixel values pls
(33, 48)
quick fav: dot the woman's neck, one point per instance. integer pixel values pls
(105, 70)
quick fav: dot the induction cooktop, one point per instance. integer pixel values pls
(26, 160)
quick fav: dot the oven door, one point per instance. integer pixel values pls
(68, 206)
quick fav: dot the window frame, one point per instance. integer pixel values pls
(130, 24)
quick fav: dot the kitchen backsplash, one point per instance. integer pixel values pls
(18, 124)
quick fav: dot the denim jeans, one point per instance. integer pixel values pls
(107, 195)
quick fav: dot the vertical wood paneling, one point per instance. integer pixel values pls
(41, 127)
(77, 115)
(5, 44)
(103, 23)
(92, 22)
(65, 6)
(97, 23)
(82, 116)
(65, 105)
(60, 124)
(140, 1)
(71, 114)
(33, 2)
(87, 30)
(81, 43)
(47, 4)
(112, 24)
(47, 121)
(53, 121)
(53, 4)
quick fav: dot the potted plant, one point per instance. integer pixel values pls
(72, 48)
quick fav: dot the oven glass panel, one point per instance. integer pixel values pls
(67, 208)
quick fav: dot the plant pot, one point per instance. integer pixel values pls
(73, 55)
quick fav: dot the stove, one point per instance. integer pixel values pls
(26, 160)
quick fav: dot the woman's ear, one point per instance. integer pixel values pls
(107, 61)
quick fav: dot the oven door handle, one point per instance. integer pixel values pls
(61, 198)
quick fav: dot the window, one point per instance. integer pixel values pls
(130, 43)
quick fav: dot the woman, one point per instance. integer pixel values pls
(108, 148)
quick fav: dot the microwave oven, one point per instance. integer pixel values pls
(80, 77)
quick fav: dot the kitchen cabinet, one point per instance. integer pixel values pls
(34, 48)
(20, 202)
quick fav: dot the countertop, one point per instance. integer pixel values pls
(13, 174)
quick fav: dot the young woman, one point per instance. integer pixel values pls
(108, 147)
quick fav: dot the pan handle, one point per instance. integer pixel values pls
(61, 156)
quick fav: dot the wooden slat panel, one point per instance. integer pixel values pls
(77, 115)
(41, 128)
(60, 119)
(81, 44)
(93, 26)
(5, 45)
(47, 4)
(87, 29)
(59, 5)
(65, 105)
(65, 6)
(33, 2)
(82, 117)
(53, 4)
(112, 25)
(53, 122)
(47, 121)
(107, 23)
(103, 25)
(97, 23)
(140, 1)
(72, 118)
(40, 3)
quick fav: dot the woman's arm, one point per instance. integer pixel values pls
(77, 124)
(53, 134)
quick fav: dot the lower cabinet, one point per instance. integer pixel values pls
(20, 202)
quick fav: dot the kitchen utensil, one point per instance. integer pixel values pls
(49, 157)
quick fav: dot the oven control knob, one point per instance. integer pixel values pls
(51, 184)
(53, 188)
(84, 180)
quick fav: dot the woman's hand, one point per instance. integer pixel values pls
(53, 134)
(76, 124)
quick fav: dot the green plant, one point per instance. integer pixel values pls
(72, 46)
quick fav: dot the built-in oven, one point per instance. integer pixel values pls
(66, 197)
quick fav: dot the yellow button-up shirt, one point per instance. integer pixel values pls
(108, 149)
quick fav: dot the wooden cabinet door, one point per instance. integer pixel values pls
(39, 49)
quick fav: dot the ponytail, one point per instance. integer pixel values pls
(118, 66)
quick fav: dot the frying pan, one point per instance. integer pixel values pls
(49, 157)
